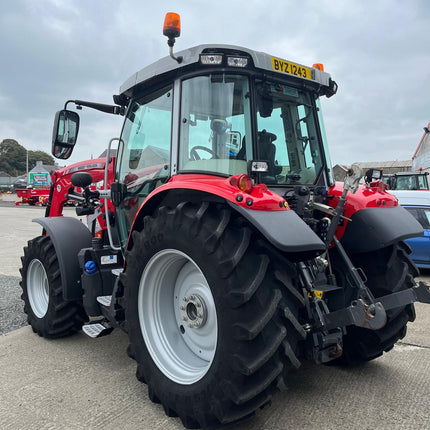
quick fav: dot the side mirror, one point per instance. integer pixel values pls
(65, 133)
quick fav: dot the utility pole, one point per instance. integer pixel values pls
(27, 167)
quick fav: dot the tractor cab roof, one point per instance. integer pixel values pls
(410, 173)
(191, 60)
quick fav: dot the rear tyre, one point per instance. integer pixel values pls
(47, 312)
(388, 270)
(204, 310)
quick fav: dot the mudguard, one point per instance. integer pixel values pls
(286, 231)
(68, 236)
(374, 228)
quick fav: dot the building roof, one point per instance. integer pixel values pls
(40, 167)
(386, 164)
(112, 153)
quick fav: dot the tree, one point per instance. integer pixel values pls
(13, 158)
(34, 156)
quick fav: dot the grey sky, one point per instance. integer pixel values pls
(376, 50)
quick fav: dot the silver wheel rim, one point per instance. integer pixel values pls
(177, 316)
(37, 288)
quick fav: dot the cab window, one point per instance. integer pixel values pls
(146, 139)
(215, 133)
(144, 153)
(287, 134)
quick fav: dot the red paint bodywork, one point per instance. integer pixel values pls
(32, 196)
(372, 196)
(260, 198)
(63, 184)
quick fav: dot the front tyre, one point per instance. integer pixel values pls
(47, 312)
(203, 314)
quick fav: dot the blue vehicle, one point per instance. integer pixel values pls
(421, 245)
(418, 204)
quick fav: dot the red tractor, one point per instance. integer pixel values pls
(218, 239)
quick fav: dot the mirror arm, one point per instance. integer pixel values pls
(116, 110)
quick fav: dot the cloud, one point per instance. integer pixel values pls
(57, 50)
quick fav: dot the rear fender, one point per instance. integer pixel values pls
(69, 236)
(284, 229)
(374, 228)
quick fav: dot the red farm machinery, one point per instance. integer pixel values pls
(218, 240)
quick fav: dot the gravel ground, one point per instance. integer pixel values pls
(12, 314)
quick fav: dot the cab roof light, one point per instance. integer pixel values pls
(237, 61)
(211, 59)
(319, 66)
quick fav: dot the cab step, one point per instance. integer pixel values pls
(104, 300)
(97, 328)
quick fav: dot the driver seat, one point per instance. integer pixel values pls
(268, 151)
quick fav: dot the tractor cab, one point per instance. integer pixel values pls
(407, 181)
(223, 108)
(214, 111)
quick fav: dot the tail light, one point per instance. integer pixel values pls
(243, 182)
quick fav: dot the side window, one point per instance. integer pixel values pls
(146, 139)
(421, 215)
(426, 216)
(422, 182)
(144, 153)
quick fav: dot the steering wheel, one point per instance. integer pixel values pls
(195, 156)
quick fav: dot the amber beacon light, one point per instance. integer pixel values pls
(172, 29)
(172, 25)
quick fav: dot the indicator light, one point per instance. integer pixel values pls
(318, 66)
(244, 183)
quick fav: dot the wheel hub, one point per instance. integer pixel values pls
(194, 311)
(37, 288)
(177, 315)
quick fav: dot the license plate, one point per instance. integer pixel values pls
(291, 68)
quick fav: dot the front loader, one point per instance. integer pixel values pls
(217, 239)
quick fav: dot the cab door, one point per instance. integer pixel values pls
(144, 153)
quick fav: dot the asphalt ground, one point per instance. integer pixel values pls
(83, 383)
